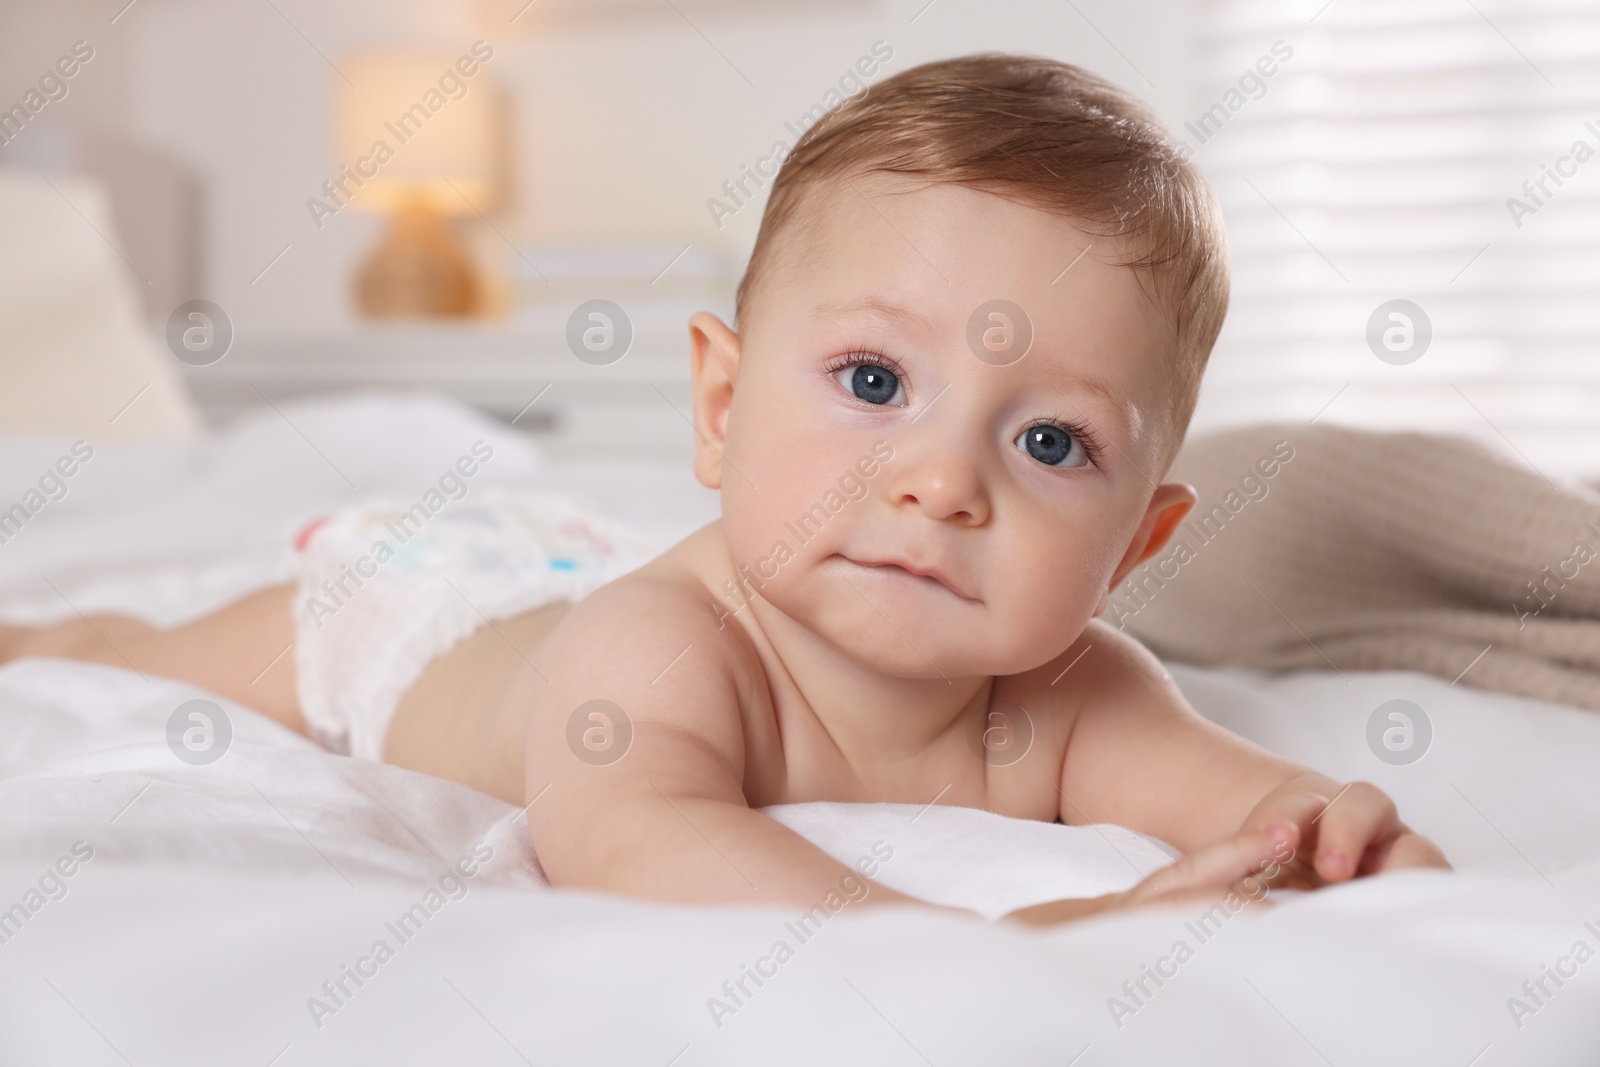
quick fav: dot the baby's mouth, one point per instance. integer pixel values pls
(931, 576)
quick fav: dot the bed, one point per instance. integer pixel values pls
(229, 912)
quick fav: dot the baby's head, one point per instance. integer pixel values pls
(967, 344)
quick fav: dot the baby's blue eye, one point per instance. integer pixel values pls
(1052, 446)
(872, 383)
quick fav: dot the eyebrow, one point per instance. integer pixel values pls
(1090, 384)
(872, 304)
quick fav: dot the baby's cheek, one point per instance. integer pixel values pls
(762, 549)
(1048, 605)
(777, 531)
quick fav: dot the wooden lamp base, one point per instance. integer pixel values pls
(420, 270)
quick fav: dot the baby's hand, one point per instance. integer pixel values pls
(1346, 831)
(1247, 864)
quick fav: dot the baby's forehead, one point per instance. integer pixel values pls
(896, 210)
(941, 252)
(947, 248)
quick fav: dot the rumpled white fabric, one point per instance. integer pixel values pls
(223, 900)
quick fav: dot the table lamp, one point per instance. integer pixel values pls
(420, 140)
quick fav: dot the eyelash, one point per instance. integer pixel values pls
(867, 354)
(1078, 430)
(864, 354)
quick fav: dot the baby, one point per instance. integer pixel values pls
(967, 345)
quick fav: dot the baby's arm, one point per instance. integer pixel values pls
(667, 820)
(1140, 756)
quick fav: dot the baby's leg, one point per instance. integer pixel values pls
(244, 651)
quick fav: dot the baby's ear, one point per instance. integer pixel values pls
(1168, 505)
(713, 366)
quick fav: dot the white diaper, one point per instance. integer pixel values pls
(383, 587)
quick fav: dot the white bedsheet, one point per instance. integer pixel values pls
(221, 897)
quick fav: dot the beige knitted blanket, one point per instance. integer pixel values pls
(1336, 549)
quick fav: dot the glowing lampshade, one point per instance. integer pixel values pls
(420, 129)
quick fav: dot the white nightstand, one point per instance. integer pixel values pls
(636, 407)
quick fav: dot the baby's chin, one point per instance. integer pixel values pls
(921, 634)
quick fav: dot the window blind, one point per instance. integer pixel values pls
(1443, 153)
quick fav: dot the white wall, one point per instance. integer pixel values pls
(625, 124)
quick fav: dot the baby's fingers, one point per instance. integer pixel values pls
(1360, 817)
(1206, 876)
(1219, 865)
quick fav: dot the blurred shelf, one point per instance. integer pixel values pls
(640, 402)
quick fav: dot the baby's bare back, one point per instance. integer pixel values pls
(465, 719)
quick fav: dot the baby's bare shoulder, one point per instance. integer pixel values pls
(1104, 667)
(643, 622)
(652, 644)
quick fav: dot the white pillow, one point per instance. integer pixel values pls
(73, 349)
